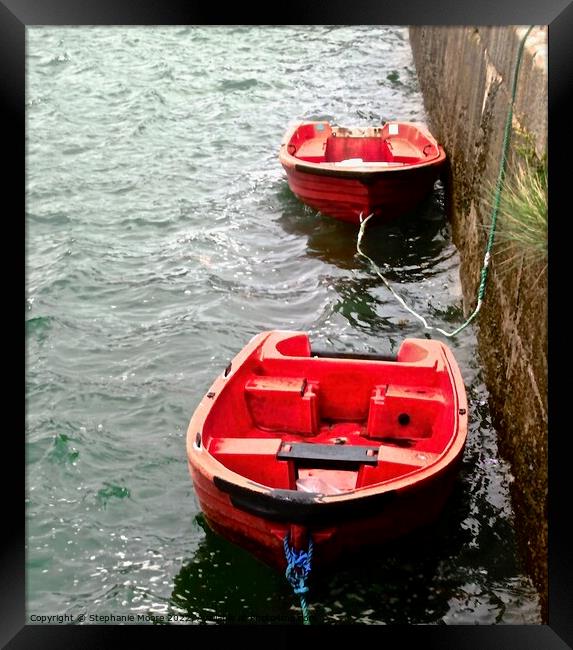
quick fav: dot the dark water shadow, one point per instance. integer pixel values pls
(225, 584)
(420, 235)
(373, 583)
(401, 581)
(411, 580)
(410, 250)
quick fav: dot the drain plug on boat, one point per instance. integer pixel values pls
(404, 419)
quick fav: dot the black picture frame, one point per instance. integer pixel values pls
(15, 16)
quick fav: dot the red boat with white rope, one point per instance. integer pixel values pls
(345, 172)
(344, 449)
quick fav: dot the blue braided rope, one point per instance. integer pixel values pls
(297, 571)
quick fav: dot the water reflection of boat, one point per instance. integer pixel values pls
(410, 241)
(346, 172)
(351, 450)
(210, 588)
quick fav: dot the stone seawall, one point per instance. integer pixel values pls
(465, 74)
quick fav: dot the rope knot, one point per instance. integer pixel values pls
(298, 569)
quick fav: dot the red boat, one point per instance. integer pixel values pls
(346, 172)
(344, 449)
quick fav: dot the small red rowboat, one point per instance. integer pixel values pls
(345, 172)
(346, 449)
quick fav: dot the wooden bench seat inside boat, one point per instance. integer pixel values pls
(312, 150)
(402, 150)
(347, 457)
(279, 463)
(254, 458)
(393, 462)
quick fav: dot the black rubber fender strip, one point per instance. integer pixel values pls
(303, 508)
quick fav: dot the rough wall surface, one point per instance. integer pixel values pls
(465, 75)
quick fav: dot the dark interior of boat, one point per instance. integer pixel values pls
(330, 424)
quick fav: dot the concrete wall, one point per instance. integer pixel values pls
(465, 74)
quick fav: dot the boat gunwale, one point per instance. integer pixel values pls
(351, 172)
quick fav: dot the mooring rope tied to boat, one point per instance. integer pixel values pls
(491, 236)
(297, 571)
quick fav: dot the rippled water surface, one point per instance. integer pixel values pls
(161, 236)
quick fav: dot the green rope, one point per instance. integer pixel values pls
(305, 612)
(491, 236)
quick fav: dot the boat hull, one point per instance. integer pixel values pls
(390, 518)
(386, 194)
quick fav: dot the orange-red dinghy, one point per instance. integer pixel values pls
(345, 172)
(350, 449)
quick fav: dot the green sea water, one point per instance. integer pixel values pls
(161, 235)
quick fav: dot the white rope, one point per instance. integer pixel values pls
(376, 268)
